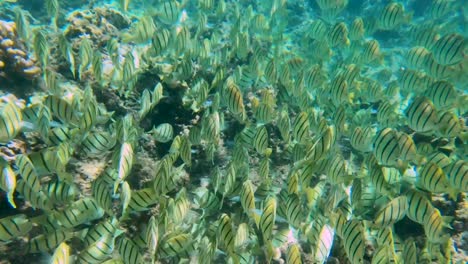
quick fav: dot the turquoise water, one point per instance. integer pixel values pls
(211, 131)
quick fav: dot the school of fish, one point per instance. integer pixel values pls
(317, 132)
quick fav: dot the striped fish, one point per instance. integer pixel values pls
(112, 48)
(129, 251)
(47, 222)
(294, 211)
(442, 93)
(339, 90)
(89, 111)
(210, 202)
(41, 47)
(435, 228)
(383, 255)
(392, 212)
(247, 197)
(392, 16)
(183, 39)
(106, 227)
(152, 236)
(338, 35)
(13, 227)
(10, 121)
(425, 36)
(8, 183)
(234, 99)
(32, 113)
(260, 140)
(97, 66)
(271, 71)
(60, 191)
(125, 196)
(440, 159)
(21, 22)
(356, 32)
(28, 172)
(169, 13)
(440, 71)
(409, 251)
(293, 183)
(85, 55)
(337, 170)
(230, 180)
(419, 207)
(195, 135)
(317, 30)
(161, 180)
(174, 150)
(62, 109)
(98, 143)
(386, 147)
(267, 219)
(457, 174)
(102, 195)
(38, 200)
(124, 4)
(314, 77)
(440, 8)
(449, 125)
(417, 57)
(141, 200)
(354, 241)
(113, 260)
(186, 150)
(407, 146)
(62, 254)
(433, 178)
(324, 243)
(79, 212)
(67, 53)
(48, 242)
(384, 237)
(264, 113)
(300, 127)
(413, 81)
(161, 41)
(378, 180)
(125, 163)
(61, 134)
(206, 250)
(180, 245)
(141, 32)
(449, 49)
(339, 119)
(362, 138)
(293, 255)
(322, 145)
(425, 148)
(163, 133)
(98, 251)
(284, 125)
(371, 52)
(179, 209)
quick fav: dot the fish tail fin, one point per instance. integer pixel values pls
(409, 17)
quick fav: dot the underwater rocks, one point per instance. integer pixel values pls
(14, 57)
(100, 24)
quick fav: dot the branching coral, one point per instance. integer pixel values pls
(14, 58)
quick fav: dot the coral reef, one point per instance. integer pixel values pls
(99, 24)
(15, 61)
(172, 131)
